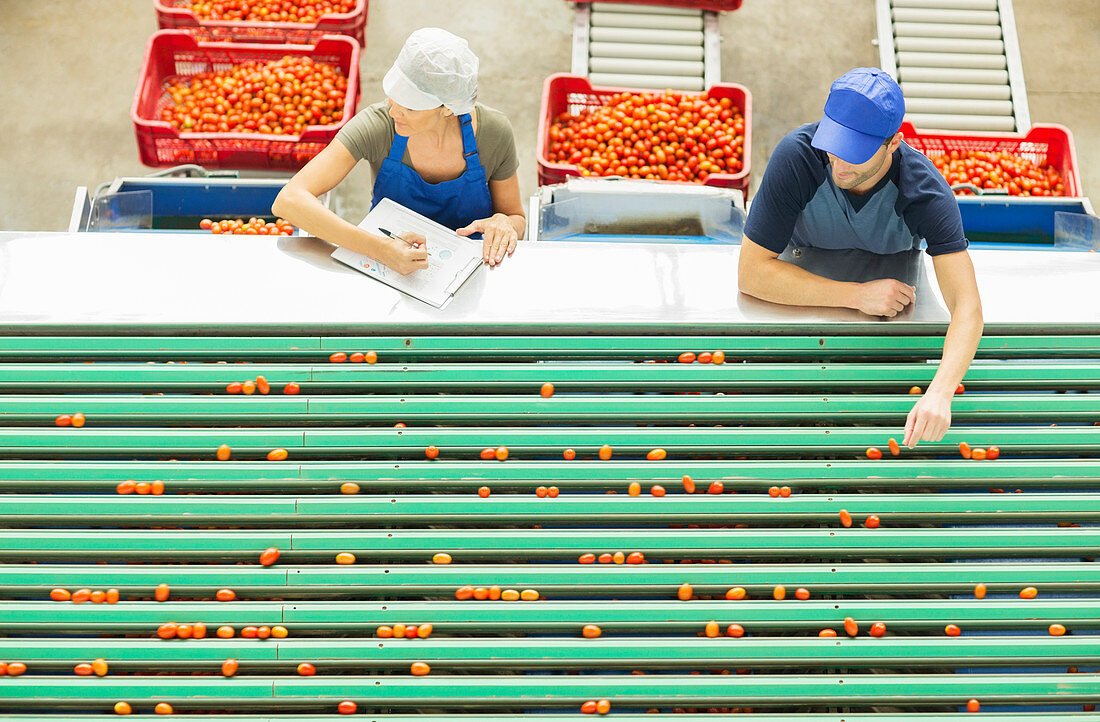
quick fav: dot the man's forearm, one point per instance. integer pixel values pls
(781, 282)
(959, 346)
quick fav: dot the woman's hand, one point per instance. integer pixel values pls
(498, 237)
(406, 253)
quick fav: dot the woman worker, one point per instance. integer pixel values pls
(431, 148)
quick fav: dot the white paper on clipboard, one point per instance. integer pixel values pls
(451, 258)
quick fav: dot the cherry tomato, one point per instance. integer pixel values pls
(973, 705)
(60, 595)
(431, 452)
(656, 455)
(802, 593)
(547, 390)
(292, 389)
(277, 455)
(1029, 593)
(347, 707)
(63, 420)
(657, 490)
(773, 492)
(569, 454)
(964, 450)
(371, 357)
(230, 667)
(993, 453)
(161, 593)
(233, 387)
(850, 627)
(684, 592)
(338, 357)
(1056, 630)
(712, 629)
(78, 419)
(895, 450)
(483, 492)
(827, 633)
(306, 669)
(845, 518)
(225, 632)
(874, 454)
(419, 669)
(605, 452)
(952, 630)
(357, 357)
(591, 631)
(529, 595)
(269, 556)
(878, 629)
(689, 484)
(345, 558)
(735, 630)
(223, 452)
(872, 522)
(163, 708)
(349, 488)
(977, 454)
(736, 593)
(686, 357)
(716, 487)
(123, 708)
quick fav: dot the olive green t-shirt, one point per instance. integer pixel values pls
(369, 135)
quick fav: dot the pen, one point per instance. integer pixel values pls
(389, 234)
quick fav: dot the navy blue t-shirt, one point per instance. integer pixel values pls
(799, 205)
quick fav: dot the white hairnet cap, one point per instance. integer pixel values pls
(433, 68)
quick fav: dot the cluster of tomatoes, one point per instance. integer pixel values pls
(658, 136)
(1014, 174)
(251, 227)
(277, 97)
(271, 11)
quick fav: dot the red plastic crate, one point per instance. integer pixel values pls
(1045, 144)
(573, 93)
(712, 5)
(175, 54)
(174, 14)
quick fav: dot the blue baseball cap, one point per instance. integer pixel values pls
(864, 108)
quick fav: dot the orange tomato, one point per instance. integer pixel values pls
(845, 518)
(262, 385)
(345, 558)
(850, 627)
(125, 487)
(163, 708)
(81, 595)
(385, 631)
(802, 593)
(277, 455)
(230, 667)
(1056, 630)
(233, 387)
(305, 669)
(735, 630)
(915, 391)
(484, 492)
(605, 452)
(349, 487)
(143, 487)
(161, 593)
(591, 631)
(773, 492)
(979, 591)
(123, 708)
(712, 629)
(547, 390)
(431, 452)
(657, 490)
(98, 597)
(684, 592)
(509, 595)
(501, 453)
(464, 593)
(60, 595)
(878, 629)
(425, 630)
(964, 450)
(347, 707)
(603, 706)
(225, 632)
(541, 492)
(569, 454)
(686, 357)
(827, 633)
(156, 488)
(952, 630)
(895, 450)
(656, 455)
(198, 630)
(78, 419)
(634, 489)
(689, 484)
(529, 595)
(780, 592)
(372, 357)
(269, 556)
(874, 453)
(441, 558)
(718, 357)
(419, 669)
(338, 357)
(552, 492)
(1029, 593)
(248, 387)
(736, 593)
(292, 389)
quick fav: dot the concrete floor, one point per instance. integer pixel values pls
(67, 79)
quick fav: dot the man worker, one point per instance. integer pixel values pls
(849, 182)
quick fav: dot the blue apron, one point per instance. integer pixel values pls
(454, 203)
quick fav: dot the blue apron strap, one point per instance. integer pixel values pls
(397, 147)
(469, 145)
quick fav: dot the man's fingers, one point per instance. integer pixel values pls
(919, 429)
(909, 421)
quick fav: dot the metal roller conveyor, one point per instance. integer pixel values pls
(955, 90)
(962, 122)
(958, 106)
(943, 15)
(689, 70)
(954, 75)
(642, 51)
(946, 30)
(948, 4)
(952, 60)
(630, 9)
(646, 21)
(640, 35)
(950, 45)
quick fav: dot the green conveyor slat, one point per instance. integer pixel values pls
(620, 509)
(395, 579)
(534, 653)
(1004, 471)
(482, 544)
(537, 347)
(467, 443)
(624, 616)
(568, 691)
(532, 409)
(529, 377)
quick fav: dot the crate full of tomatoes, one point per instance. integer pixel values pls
(1041, 162)
(301, 22)
(659, 135)
(237, 105)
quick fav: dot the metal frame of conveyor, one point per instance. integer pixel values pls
(646, 46)
(958, 62)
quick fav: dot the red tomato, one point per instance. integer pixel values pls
(586, 559)
(872, 522)
(689, 484)
(591, 631)
(547, 390)
(773, 492)
(589, 707)
(357, 357)
(657, 490)
(973, 705)
(262, 385)
(895, 450)
(845, 518)
(541, 492)
(306, 669)
(705, 357)
(552, 491)
(993, 453)
(488, 454)
(850, 627)
(347, 707)
(686, 357)
(431, 452)
(292, 389)
(802, 593)
(63, 420)
(125, 487)
(83, 669)
(230, 667)
(269, 556)
(338, 357)
(964, 450)
(483, 492)
(874, 453)
(569, 454)
(716, 487)
(233, 388)
(419, 669)
(878, 629)
(952, 630)
(735, 630)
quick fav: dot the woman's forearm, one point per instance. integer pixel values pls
(306, 211)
